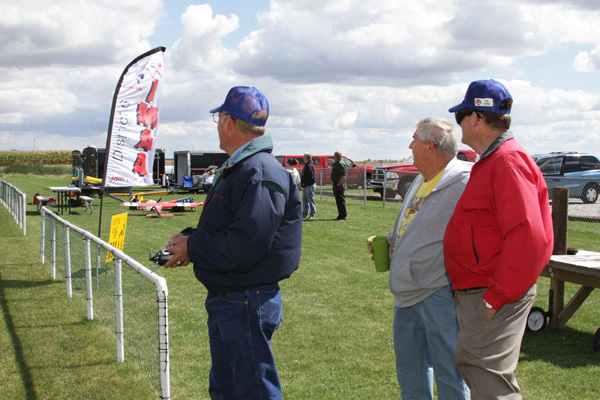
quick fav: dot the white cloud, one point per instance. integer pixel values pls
(348, 41)
(419, 42)
(587, 61)
(38, 32)
(199, 47)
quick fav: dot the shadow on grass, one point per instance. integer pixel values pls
(24, 369)
(566, 348)
(23, 284)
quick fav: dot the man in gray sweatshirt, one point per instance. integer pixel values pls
(425, 326)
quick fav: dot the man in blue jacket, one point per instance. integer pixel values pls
(247, 240)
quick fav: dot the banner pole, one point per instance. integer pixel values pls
(100, 218)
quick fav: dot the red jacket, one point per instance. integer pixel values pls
(500, 235)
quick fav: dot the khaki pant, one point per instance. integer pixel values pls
(487, 352)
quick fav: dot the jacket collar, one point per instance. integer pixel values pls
(261, 143)
(496, 143)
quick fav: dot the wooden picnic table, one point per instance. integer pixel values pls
(583, 269)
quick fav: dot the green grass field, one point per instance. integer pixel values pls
(335, 341)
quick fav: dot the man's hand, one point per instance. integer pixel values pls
(490, 312)
(178, 247)
(370, 247)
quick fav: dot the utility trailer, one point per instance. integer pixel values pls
(190, 163)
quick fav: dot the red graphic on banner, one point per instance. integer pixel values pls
(139, 167)
(146, 115)
(152, 92)
(146, 140)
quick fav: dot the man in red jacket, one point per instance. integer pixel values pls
(497, 242)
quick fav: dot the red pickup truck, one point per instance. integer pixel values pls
(356, 173)
(398, 177)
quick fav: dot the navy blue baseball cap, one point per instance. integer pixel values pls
(243, 101)
(485, 95)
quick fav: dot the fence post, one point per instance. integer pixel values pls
(365, 185)
(560, 206)
(42, 239)
(68, 261)
(163, 342)
(119, 311)
(383, 193)
(53, 248)
(88, 279)
(24, 220)
(321, 185)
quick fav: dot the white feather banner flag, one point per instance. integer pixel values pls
(133, 128)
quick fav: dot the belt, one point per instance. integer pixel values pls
(470, 289)
(219, 291)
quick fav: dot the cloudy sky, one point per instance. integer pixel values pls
(347, 75)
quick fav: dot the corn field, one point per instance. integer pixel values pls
(56, 157)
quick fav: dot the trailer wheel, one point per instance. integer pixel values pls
(536, 321)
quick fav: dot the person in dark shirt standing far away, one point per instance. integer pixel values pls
(309, 183)
(248, 239)
(338, 176)
(497, 242)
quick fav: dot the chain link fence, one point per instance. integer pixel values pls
(14, 200)
(129, 301)
(584, 206)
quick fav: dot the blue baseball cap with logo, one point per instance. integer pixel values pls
(485, 95)
(242, 102)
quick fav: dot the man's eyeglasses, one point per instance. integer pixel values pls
(465, 112)
(217, 117)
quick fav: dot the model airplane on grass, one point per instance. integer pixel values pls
(140, 196)
(178, 205)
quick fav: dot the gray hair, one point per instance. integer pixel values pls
(249, 127)
(441, 132)
(308, 156)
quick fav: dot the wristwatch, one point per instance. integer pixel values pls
(488, 305)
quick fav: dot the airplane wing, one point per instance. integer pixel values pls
(152, 205)
(185, 204)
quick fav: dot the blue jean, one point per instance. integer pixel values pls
(309, 208)
(425, 337)
(240, 327)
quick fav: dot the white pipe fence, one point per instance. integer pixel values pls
(119, 257)
(15, 201)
